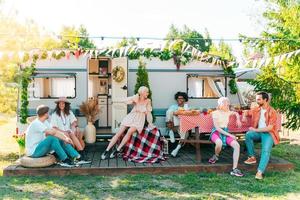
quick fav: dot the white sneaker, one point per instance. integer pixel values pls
(176, 150)
(172, 136)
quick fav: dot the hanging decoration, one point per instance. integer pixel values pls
(178, 50)
(260, 61)
(118, 74)
(24, 82)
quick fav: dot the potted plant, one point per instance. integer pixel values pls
(20, 139)
(90, 109)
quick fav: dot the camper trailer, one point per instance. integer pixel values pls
(84, 77)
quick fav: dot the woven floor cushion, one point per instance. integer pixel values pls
(45, 161)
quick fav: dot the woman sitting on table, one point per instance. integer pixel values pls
(134, 121)
(220, 135)
(65, 121)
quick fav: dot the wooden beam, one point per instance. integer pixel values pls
(196, 141)
(216, 168)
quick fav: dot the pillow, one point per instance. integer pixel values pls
(45, 161)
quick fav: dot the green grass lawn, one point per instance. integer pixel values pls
(284, 185)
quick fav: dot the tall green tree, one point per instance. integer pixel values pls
(23, 36)
(73, 38)
(223, 50)
(281, 35)
(15, 37)
(142, 78)
(190, 36)
(85, 42)
(127, 42)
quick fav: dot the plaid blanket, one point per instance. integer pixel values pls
(145, 147)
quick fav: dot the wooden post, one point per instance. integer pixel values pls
(198, 153)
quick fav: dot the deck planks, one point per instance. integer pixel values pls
(184, 162)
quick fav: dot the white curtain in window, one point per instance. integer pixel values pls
(220, 84)
(63, 87)
(37, 88)
(213, 87)
(195, 85)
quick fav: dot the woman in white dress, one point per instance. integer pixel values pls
(64, 120)
(134, 121)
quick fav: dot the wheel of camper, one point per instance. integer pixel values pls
(118, 73)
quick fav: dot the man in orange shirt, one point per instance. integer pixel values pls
(263, 128)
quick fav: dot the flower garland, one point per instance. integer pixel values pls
(25, 80)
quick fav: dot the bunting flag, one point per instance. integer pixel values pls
(276, 60)
(193, 53)
(68, 55)
(91, 52)
(76, 54)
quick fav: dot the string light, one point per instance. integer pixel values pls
(155, 38)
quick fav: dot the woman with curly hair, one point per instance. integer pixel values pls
(172, 119)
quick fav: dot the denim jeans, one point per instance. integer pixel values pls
(266, 147)
(52, 143)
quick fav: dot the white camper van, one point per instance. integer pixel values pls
(84, 77)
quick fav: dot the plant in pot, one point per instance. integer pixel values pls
(20, 139)
(90, 109)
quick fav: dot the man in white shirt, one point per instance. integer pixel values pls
(41, 139)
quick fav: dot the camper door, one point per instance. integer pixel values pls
(119, 91)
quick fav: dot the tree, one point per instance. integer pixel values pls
(190, 36)
(127, 42)
(223, 50)
(73, 38)
(16, 37)
(85, 42)
(281, 35)
(69, 37)
(142, 79)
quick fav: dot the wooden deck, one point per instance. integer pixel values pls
(185, 162)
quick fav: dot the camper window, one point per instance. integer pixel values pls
(54, 87)
(205, 87)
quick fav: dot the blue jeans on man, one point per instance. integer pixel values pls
(266, 147)
(51, 143)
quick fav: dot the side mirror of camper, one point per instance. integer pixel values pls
(124, 87)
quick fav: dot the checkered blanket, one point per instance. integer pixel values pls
(145, 147)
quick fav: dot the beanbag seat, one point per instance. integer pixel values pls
(45, 161)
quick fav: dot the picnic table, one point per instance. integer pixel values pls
(203, 123)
